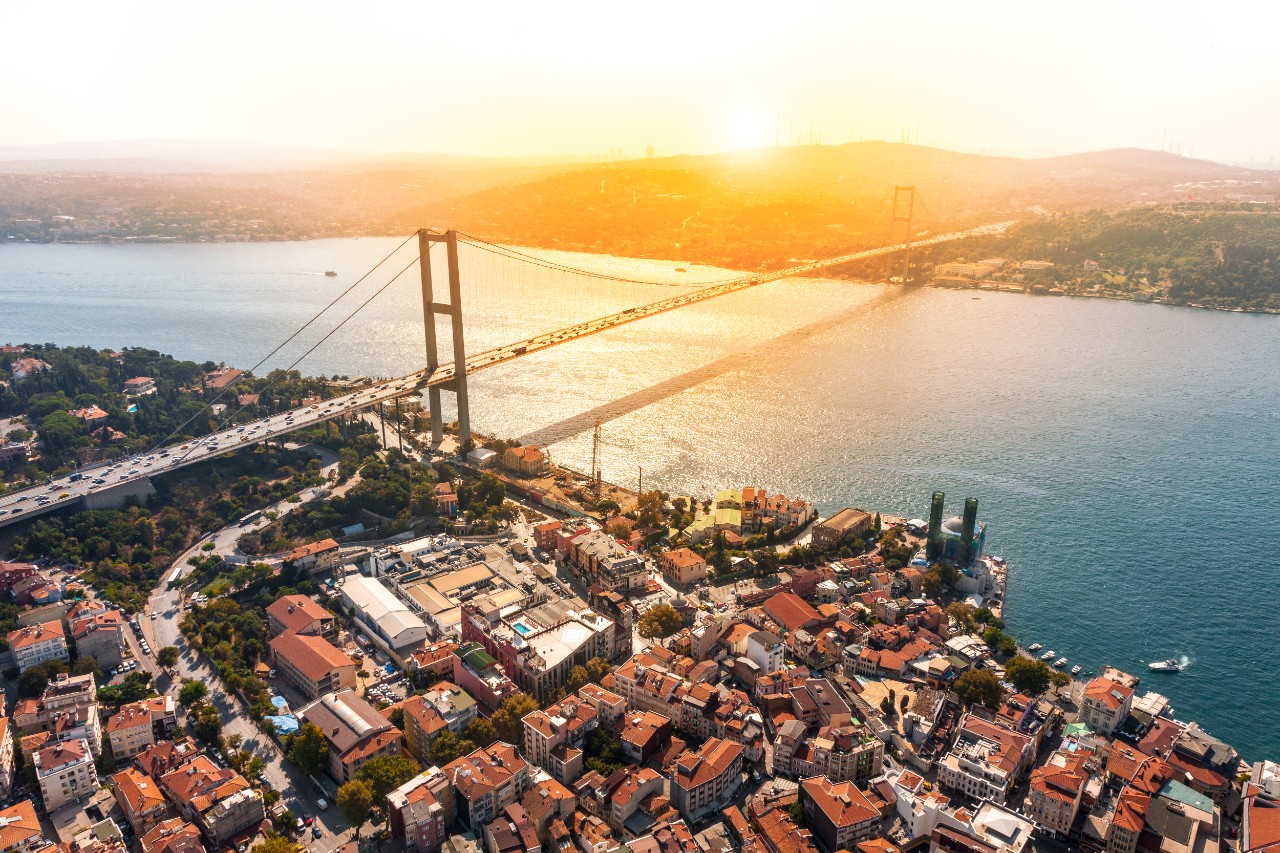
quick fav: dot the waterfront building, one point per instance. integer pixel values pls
(848, 523)
(1105, 704)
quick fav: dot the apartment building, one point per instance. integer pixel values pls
(65, 773)
(20, 829)
(141, 800)
(554, 738)
(216, 799)
(100, 637)
(704, 779)
(985, 761)
(839, 815)
(355, 730)
(173, 836)
(1057, 789)
(487, 781)
(683, 566)
(300, 614)
(36, 644)
(842, 753)
(312, 664)
(417, 813)
(1105, 705)
(138, 725)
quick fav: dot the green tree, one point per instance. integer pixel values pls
(32, 683)
(274, 844)
(796, 812)
(446, 746)
(660, 622)
(480, 732)
(608, 506)
(355, 799)
(191, 692)
(1027, 675)
(577, 678)
(1008, 646)
(904, 703)
(386, 773)
(308, 749)
(209, 725)
(979, 686)
(597, 669)
(167, 657)
(506, 720)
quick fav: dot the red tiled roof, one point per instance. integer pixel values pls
(843, 804)
(791, 610)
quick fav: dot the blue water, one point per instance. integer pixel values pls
(1124, 456)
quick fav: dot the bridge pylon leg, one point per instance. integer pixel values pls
(430, 308)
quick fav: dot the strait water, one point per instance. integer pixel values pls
(1125, 456)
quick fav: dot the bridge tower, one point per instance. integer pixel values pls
(453, 308)
(910, 193)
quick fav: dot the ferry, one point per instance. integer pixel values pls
(1170, 665)
(1034, 647)
(1048, 655)
(1075, 670)
(331, 273)
(1060, 663)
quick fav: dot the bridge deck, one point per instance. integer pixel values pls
(25, 504)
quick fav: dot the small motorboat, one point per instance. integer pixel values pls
(1170, 665)
(330, 273)
(1034, 647)
(1060, 663)
(1047, 656)
(1075, 670)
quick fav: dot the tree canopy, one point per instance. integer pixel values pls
(979, 686)
(660, 622)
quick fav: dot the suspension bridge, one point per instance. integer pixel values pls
(446, 368)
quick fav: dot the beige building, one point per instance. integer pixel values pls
(138, 725)
(100, 637)
(312, 665)
(36, 644)
(1057, 788)
(316, 557)
(845, 524)
(20, 829)
(301, 615)
(65, 773)
(140, 798)
(1105, 705)
(553, 739)
(529, 460)
(683, 566)
(6, 758)
(705, 779)
(487, 781)
(216, 799)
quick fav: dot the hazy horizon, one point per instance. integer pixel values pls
(579, 81)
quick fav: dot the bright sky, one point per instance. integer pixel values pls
(499, 78)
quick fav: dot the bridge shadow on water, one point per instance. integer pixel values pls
(585, 421)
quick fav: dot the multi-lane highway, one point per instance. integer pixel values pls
(28, 503)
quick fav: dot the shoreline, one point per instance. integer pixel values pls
(985, 287)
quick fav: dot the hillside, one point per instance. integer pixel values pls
(764, 208)
(748, 209)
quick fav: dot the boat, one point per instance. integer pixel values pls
(1034, 647)
(330, 273)
(681, 269)
(1170, 665)
(1048, 655)
(1060, 663)
(1075, 670)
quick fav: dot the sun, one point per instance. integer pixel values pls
(747, 127)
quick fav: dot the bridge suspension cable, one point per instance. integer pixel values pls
(299, 331)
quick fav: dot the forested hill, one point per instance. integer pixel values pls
(764, 208)
(1218, 256)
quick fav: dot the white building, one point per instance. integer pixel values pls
(383, 617)
(65, 773)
